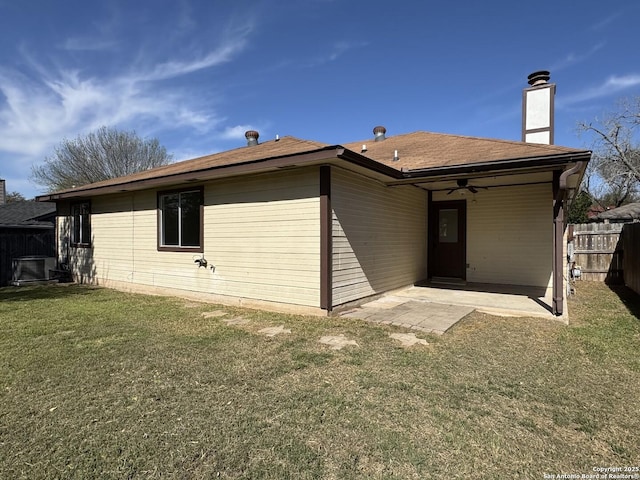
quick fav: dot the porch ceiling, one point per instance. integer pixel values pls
(494, 180)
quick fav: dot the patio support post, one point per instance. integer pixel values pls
(326, 247)
(559, 196)
(558, 220)
(430, 234)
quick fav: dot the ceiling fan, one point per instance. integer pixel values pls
(464, 183)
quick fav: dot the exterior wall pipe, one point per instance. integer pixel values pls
(558, 235)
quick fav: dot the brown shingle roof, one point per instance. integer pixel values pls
(286, 146)
(629, 212)
(421, 150)
(416, 151)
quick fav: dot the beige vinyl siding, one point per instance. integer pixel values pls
(263, 236)
(113, 236)
(509, 235)
(379, 236)
(261, 233)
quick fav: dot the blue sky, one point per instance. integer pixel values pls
(197, 74)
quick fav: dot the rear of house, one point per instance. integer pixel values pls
(302, 226)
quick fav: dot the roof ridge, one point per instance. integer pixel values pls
(470, 137)
(241, 147)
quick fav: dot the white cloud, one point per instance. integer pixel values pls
(190, 153)
(572, 58)
(176, 68)
(606, 21)
(340, 48)
(237, 132)
(623, 82)
(611, 86)
(337, 50)
(87, 44)
(46, 100)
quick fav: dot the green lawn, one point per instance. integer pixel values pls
(101, 384)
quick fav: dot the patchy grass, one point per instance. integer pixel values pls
(102, 384)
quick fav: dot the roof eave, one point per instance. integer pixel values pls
(203, 174)
(318, 156)
(518, 164)
(28, 226)
(370, 164)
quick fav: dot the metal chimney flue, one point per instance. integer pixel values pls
(379, 133)
(252, 137)
(538, 78)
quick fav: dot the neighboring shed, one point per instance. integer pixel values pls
(625, 214)
(26, 229)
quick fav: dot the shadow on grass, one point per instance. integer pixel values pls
(628, 297)
(42, 292)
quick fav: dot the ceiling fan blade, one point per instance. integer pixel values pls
(451, 191)
(472, 189)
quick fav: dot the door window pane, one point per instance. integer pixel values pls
(448, 225)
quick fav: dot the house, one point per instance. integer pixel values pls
(26, 229)
(310, 227)
(629, 213)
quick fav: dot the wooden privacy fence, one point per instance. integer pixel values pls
(598, 250)
(631, 259)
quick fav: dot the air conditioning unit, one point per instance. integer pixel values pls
(32, 269)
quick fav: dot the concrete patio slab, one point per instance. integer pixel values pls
(416, 315)
(503, 300)
(435, 309)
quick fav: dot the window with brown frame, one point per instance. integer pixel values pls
(180, 220)
(81, 224)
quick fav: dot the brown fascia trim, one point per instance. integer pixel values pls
(512, 164)
(313, 157)
(23, 226)
(253, 166)
(366, 162)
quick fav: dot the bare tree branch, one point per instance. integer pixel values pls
(613, 176)
(100, 155)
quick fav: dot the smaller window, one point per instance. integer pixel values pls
(180, 220)
(81, 224)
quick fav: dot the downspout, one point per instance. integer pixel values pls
(558, 235)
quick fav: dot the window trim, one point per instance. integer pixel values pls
(178, 248)
(72, 216)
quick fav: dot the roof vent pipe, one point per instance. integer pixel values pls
(252, 137)
(379, 133)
